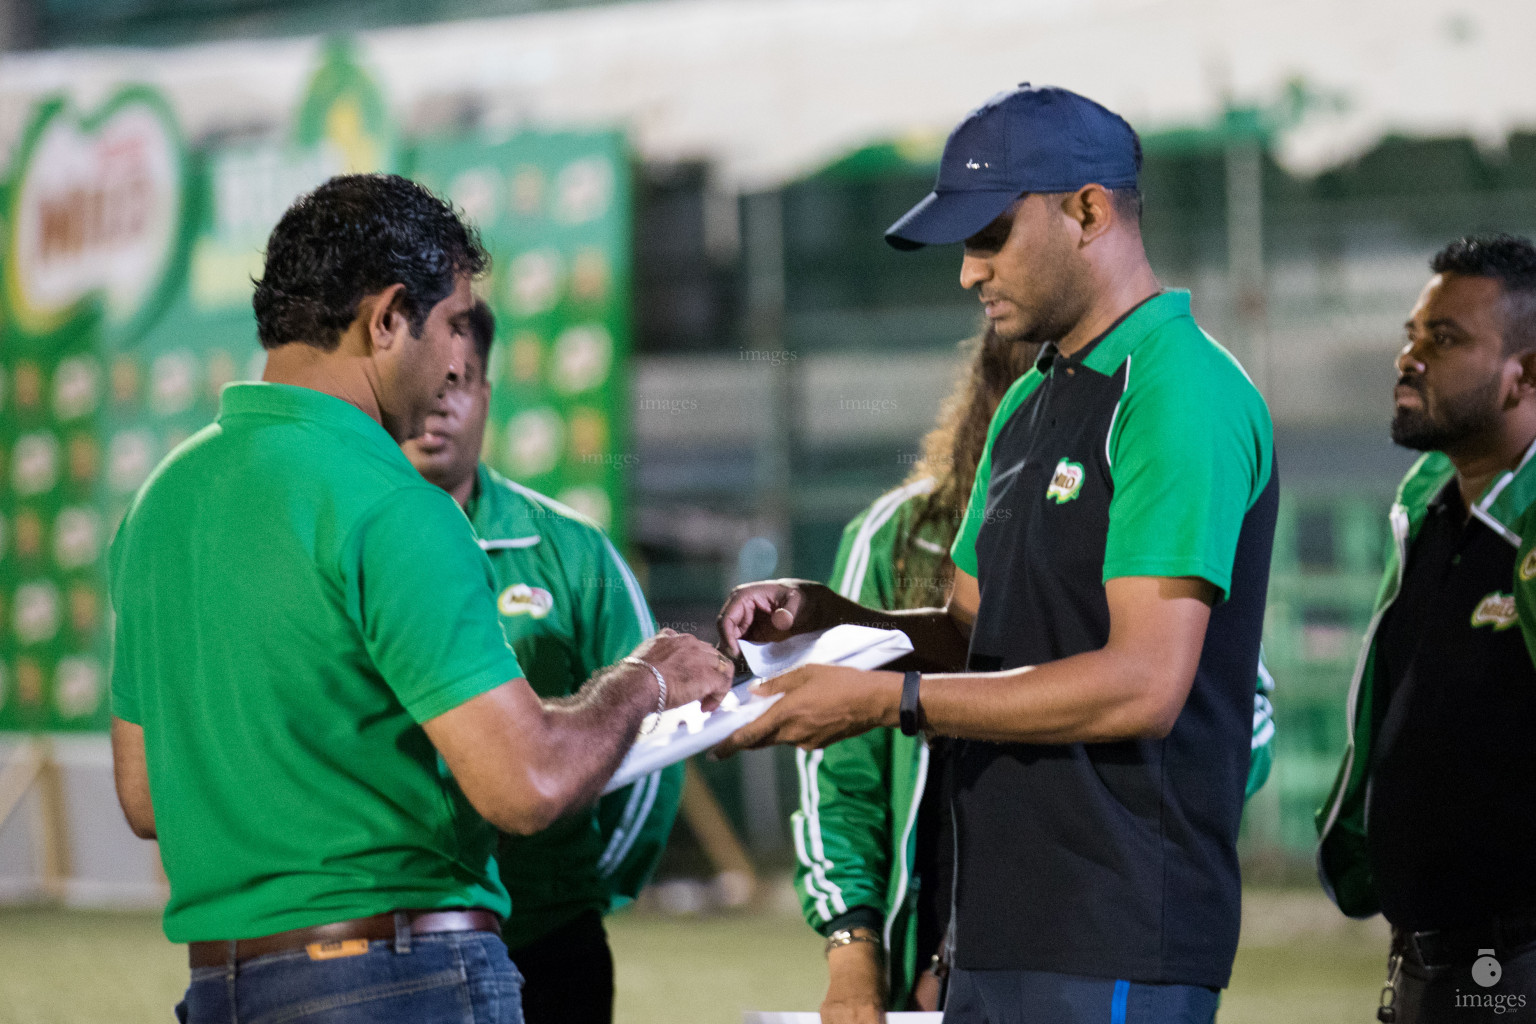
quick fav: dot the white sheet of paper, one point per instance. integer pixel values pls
(853, 646)
(756, 1017)
(687, 730)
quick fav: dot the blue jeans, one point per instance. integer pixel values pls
(439, 978)
(1044, 997)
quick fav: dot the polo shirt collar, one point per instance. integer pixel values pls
(290, 401)
(1509, 496)
(481, 499)
(1105, 353)
(497, 512)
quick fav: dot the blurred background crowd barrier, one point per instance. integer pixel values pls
(704, 343)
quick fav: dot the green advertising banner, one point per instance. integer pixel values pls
(125, 306)
(554, 210)
(96, 233)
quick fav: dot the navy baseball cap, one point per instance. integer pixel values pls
(1029, 139)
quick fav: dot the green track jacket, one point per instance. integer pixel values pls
(855, 832)
(1508, 507)
(570, 606)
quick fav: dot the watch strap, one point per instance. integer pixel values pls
(911, 712)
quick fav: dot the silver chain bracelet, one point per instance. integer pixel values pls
(661, 683)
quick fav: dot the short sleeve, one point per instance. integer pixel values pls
(963, 550)
(1190, 452)
(424, 598)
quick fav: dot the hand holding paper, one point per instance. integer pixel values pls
(694, 670)
(768, 612)
(684, 731)
(816, 705)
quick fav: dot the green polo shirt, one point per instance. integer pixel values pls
(292, 601)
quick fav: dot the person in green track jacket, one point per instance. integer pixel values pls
(569, 605)
(1432, 820)
(870, 838)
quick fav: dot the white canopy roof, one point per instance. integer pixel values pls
(770, 90)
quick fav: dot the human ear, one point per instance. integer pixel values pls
(1094, 211)
(1525, 382)
(386, 319)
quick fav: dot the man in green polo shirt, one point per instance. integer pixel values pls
(314, 709)
(569, 605)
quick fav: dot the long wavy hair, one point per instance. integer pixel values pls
(951, 451)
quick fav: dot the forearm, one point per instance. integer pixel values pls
(1097, 697)
(523, 762)
(938, 639)
(1133, 687)
(581, 739)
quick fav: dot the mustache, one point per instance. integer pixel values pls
(1407, 381)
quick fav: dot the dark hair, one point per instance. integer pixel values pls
(1510, 260)
(482, 331)
(951, 452)
(354, 235)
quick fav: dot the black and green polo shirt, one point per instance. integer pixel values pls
(1146, 453)
(293, 600)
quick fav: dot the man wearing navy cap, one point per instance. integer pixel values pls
(1097, 654)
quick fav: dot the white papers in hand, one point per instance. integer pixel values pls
(847, 645)
(688, 730)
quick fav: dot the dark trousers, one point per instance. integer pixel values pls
(1451, 993)
(1045, 997)
(568, 974)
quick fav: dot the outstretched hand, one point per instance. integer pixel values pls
(821, 704)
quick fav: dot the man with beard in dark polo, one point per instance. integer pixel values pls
(1433, 819)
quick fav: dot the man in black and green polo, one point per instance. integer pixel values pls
(313, 703)
(569, 605)
(1103, 630)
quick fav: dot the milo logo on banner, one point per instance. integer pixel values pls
(97, 213)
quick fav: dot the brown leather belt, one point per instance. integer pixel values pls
(325, 940)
